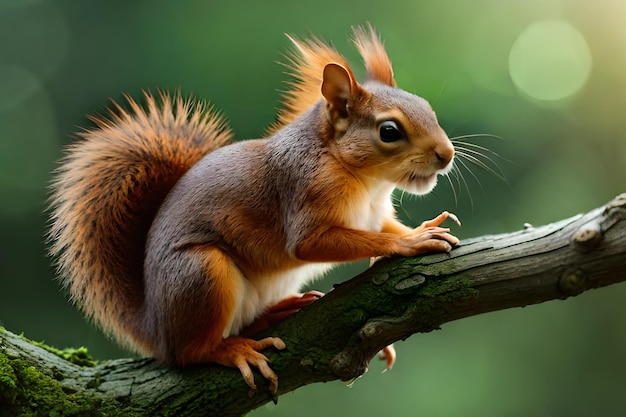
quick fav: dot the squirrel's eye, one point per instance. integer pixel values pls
(389, 131)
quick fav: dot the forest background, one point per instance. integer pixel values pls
(543, 79)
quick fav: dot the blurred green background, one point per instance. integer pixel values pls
(546, 76)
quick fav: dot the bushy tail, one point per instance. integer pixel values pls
(105, 195)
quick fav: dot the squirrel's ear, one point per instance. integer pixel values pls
(338, 87)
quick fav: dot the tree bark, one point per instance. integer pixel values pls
(336, 337)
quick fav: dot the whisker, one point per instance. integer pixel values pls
(464, 181)
(468, 169)
(471, 157)
(440, 94)
(401, 200)
(455, 172)
(476, 135)
(470, 153)
(467, 153)
(479, 149)
(470, 145)
(456, 201)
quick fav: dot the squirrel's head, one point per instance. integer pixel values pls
(377, 130)
(384, 133)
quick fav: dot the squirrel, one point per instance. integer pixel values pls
(175, 239)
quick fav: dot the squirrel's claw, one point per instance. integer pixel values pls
(241, 353)
(454, 218)
(280, 311)
(434, 224)
(296, 302)
(440, 219)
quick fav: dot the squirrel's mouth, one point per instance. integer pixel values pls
(419, 184)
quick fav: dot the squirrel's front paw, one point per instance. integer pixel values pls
(429, 237)
(425, 240)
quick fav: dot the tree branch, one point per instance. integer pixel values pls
(336, 337)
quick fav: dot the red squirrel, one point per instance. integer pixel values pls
(175, 240)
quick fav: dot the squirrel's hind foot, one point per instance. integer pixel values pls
(240, 352)
(280, 311)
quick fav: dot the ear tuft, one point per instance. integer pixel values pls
(306, 65)
(374, 55)
(314, 64)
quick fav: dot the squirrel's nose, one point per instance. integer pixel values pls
(444, 154)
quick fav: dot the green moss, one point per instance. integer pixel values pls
(8, 381)
(457, 287)
(27, 391)
(436, 295)
(78, 356)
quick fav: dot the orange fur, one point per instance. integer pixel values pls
(307, 66)
(222, 290)
(391, 225)
(111, 184)
(174, 242)
(374, 55)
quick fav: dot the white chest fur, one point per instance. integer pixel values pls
(367, 211)
(257, 295)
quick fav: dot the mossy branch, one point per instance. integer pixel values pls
(335, 337)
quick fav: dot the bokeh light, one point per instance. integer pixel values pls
(550, 60)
